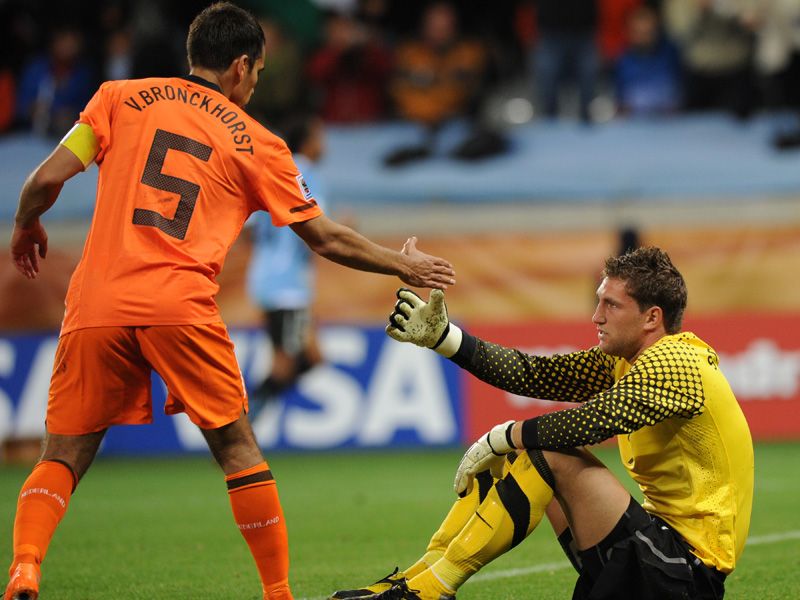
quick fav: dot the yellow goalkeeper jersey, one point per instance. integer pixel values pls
(681, 433)
(695, 473)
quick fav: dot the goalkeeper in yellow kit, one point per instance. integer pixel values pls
(681, 434)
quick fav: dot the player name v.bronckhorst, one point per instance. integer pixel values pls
(222, 111)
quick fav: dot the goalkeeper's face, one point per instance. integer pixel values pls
(623, 329)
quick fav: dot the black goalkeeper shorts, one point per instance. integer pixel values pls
(643, 559)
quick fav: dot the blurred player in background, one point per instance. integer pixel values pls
(181, 168)
(280, 278)
(681, 434)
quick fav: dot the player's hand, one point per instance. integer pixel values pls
(424, 323)
(483, 455)
(426, 271)
(27, 245)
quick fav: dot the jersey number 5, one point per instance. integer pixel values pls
(188, 191)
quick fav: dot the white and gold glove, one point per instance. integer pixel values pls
(424, 323)
(483, 455)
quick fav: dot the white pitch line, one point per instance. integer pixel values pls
(758, 540)
(773, 538)
(554, 566)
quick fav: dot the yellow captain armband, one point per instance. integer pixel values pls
(81, 142)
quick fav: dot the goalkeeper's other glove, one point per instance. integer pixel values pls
(483, 455)
(424, 323)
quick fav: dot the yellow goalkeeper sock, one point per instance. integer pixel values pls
(460, 513)
(511, 510)
(427, 559)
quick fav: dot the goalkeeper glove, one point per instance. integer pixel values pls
(424, 323)
(483, 455)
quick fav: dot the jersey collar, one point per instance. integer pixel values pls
(201, 81)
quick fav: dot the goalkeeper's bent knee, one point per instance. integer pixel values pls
(510, 512)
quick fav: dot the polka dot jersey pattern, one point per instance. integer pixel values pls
(664, 382)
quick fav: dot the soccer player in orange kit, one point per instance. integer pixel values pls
(181, 168)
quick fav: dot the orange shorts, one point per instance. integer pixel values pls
(101, 377)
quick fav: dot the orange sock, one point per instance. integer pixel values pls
(259, 516)
(42, 502)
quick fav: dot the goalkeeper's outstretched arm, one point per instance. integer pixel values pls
(574, 377)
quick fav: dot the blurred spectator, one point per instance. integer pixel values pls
(22, 33)
(613, 28)
(628, 240)
(112, 37)
(648, 74)
(300, 19)
(278, 93)
(157, 47)
(54, 87)
(7, 99)
(566, 49)
(495, 24)
(118, 60)
(717, 50)
(280, 277)
(376, 16)
(777, 27)
(777, 56)
(438, 76)
(350, 71)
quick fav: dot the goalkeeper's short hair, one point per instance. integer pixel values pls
(652, 280)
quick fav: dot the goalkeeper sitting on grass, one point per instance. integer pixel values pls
(681, 434)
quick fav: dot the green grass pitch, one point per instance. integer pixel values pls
(162, 528)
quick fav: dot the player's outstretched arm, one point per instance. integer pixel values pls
(41, 188)
(347, 247)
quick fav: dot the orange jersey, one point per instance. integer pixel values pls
(181, 169)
